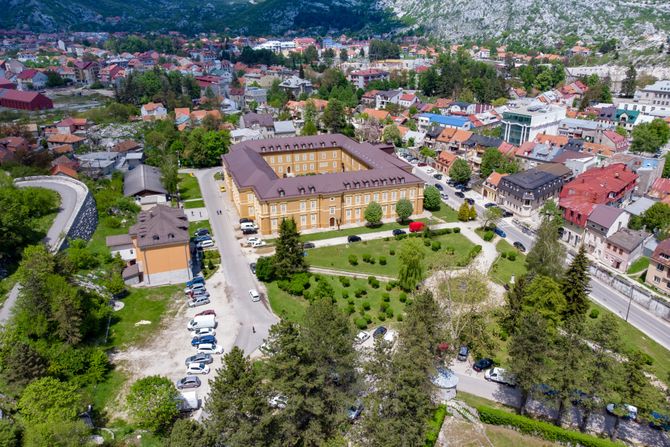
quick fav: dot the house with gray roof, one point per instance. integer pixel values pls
(262, 122)
(525, 192)
(603, 222)
(284, 129)
(296, 86)
(143, 181)
(623, 248)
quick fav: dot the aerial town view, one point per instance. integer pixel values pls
(364, 223)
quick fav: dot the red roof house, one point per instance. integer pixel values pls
(14, 99)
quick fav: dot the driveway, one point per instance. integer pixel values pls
(251, 320)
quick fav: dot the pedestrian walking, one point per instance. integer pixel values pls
(253, 329)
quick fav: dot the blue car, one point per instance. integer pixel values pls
(204, 339)
(499, 232)
(194, 281)
(202, 238)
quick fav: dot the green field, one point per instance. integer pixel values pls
(446, 213)
(194, 204)
(193, 226)
(337, 256)
(293, 307)
(503, 269)
(189, 187)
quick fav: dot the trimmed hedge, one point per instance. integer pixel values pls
(435, 425)
(550, 432)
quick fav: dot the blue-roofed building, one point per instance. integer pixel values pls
(427, 121)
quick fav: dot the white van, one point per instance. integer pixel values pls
(203, 321)
(248, 226)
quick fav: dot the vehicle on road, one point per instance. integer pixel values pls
(430, 170)
(210, 348)
(222, 188)
(437, 176)
(361, 337)
(201, 232)
(398, 232)
(198, 301)
(416, 227)
(188, 382)
(507, 213)
(194, 281)
(248, 225)
(444, 196)
(490, 205)
(379, 332)
(203, 331)
(198, 293)
(195, 341)
(500, 375)
(205, 244)
(252, 267)
(307, 245)
(460, 195)
(659, 421)
(199, 358)
(255, 296)
(414, 161)
(353, 238)
(519, 246)
(249, 231)
(439, 187)
(629, 411)
(422, 164)
(188, 401)
(470, 201)
(197, 368)
(253, 239)
(482, 364)
(202, 321)
(463, 352)
(206, 312)
(499, 232)
(355, 410)
(246, 220)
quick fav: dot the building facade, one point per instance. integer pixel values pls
(524, 123)
(525, 192)
(658, 273)
(321, 182)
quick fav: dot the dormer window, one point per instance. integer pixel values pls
(155, 237)
(281, 192)
(312, 189)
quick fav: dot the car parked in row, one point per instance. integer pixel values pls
(188, 382)
(206, 312)
(205, 244)
(202, 238)
(482, 364)
(398, 232)
(209, 348)
(200, 285)
(470, 201)
(252, 267)
(361, 337)
(499, 231)
(198, 301)
(199, 358)
(460, 195)
(353, 238)
(519, 246)
(255, 296)
(463, 353)
(195, 341)
(499, 375)
(203, 331)
(194, 281)
(197, 368)
(379, 332)
(201, 232)
(444, 196)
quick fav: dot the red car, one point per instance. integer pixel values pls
(422, 164)
(416, 227)
(206, 312)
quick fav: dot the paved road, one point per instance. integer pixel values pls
(68, 206)
(238, 277)
(654, 327)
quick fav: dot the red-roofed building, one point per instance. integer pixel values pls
(64, 170)
(610, 185)
(444, 161)
(660, 189)
(6, 83)
(14, 99)
(658, 273)
(490, 186)
(615, 141)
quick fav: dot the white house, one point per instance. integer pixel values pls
(602, 223)
(153, 111)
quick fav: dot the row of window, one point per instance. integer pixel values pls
(287, 157)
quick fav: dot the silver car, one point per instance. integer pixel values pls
(198, 301)
(188, 382)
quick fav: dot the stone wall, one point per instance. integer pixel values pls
(84, 223)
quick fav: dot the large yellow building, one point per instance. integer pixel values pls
(321, 181)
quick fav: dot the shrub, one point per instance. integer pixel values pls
(399, 317)
(298, 284)
(389, 312)
(382, 260)
(368, 318)
(346, 282)
(426, 242)
(435, 425)
(386, 297)
(371, 279)
(383, 306)
(381, 316)
(360, 292)
(488, 235)
(648, 360)
(545, 430)
(503, 254)
(113, 222)
(350, 301)
(353, 259)
(449, 249)
(594, 313)
(511, 256)
(375, 284)
(402, 297)
(366, 305)
(366, 257)
(447, 231)
(351, 309)
(345, 294)
(435, 246)
(361, 323)
(400, 237)
(393, 283)
(388, 286)
(457, 230)
(392, 252)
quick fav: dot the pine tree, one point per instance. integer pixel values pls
(575, 285)
(472, 213)
(289, 257)
(547, 255)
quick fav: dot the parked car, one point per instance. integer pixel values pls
(199, 358)
(195, 341)
(249, 231)
(482, 364)
(437, 176)
(198, 301)
(252, 266)
(205, 244)
(201, 232)
(507, 213)
(188, 382)
(197, 368)
(194, 281)
(422, 164)
(258, 244)
(201, 332)
(206, 312)
(398, 232)
(500, 375)
(353, 238)
(430, 170)
(307, 245)
(361, 337)
(460, 195)
(439, 187)
(202, 238)
(519, 246)
(416, 227)
(255, 296)
(198, 293)
(659, 421)
(629, 411)
(355, 410)
(444, 196)
(499, 231)
(246, 220)
(490, 205)
(210, 348)
(470, 201)
(463, 352)
(193, 287)
(253, 239)
(379, 332)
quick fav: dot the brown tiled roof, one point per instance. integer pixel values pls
(249, 170)
(118, 240)
(161, 225)
(125, 146)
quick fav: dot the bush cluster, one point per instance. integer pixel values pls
(368, 258)
(353, 259)
(488, 235)
(296, 286)
(382, 260)
(435, 425)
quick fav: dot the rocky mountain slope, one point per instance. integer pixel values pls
(532, 21)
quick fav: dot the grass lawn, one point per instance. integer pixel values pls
(503, 269)
(633, 338)
(507, 437)
(104, 393)
(145, 304)
(194, 204)
(188, 187)
(192, 226)
(639, 265)
(337, 256)
(357, 230)
(97, 243)
(446, 213)
(293, 307)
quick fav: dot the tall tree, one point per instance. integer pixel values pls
(373, 214)
(431, 198)
(547, 255)
(334, 118)
(238, 404)
(189, 433)
(404, 209)
(491, 216)
(152, 403)
(411, 266)
(575, 285)
(650, 137)
(528, 354)
(629, 83)
(460, 171)
(464, 212)
(289, 257)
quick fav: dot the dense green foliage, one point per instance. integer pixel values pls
(655, 219)
(494, 160)
(152, 403)
(460, 171)
(373, 213)
(411, 266)
(288, 258)
(650, 137)
(383, 49)
(431, 198)
(172, 89)
(403, 209)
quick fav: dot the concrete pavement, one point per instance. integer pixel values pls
(252, 319)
